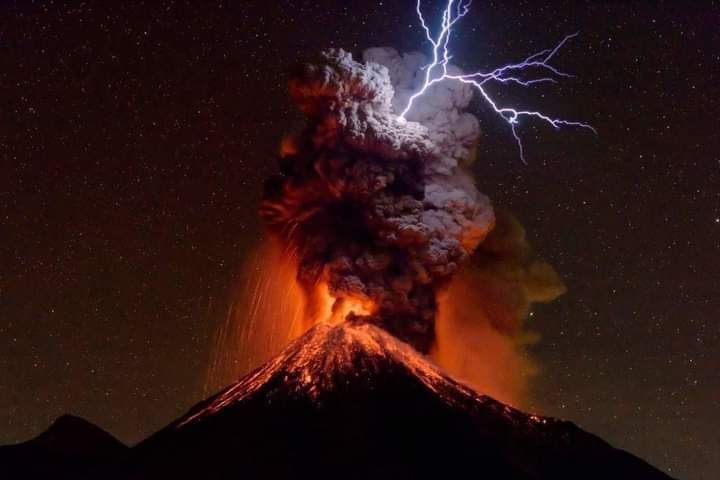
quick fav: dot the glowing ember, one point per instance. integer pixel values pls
(336, 309)
(312, 365)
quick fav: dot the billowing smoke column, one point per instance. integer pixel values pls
(378, 212)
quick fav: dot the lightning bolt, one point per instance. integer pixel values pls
(515, 73)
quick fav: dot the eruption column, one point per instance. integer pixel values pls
(381, 213)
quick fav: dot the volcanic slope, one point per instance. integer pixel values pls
(350, 401)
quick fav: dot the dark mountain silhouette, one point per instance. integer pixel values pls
(70, 448)
(347, 402)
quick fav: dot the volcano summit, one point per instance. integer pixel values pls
(351, 401)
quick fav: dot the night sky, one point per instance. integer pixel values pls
(135, 136)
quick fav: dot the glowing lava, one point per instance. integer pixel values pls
(270, 310)
(334, 310)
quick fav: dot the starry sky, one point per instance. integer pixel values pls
(135, 136)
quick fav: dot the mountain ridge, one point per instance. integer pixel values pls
(71, 448)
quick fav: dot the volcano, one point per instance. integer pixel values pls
(347, 401)
(350, 401)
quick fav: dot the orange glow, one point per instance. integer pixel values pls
(336, 309)
(269, 309)
(288, 146)
(470, 348)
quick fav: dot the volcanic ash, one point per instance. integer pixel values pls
(379, 212)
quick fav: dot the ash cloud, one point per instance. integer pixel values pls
(482, 336)
(379, 210)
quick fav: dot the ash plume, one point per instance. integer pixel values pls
(381, 211)
(482, 336)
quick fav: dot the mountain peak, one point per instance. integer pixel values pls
(328, 357)
(70, 448)
(70, 422)
(73, 435)
(351, 400)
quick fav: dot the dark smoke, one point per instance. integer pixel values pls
(512, 277)
(379, 210)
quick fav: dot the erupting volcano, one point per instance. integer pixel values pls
(352, 401)
(371, 218)
(377, 218)
(382, 323)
